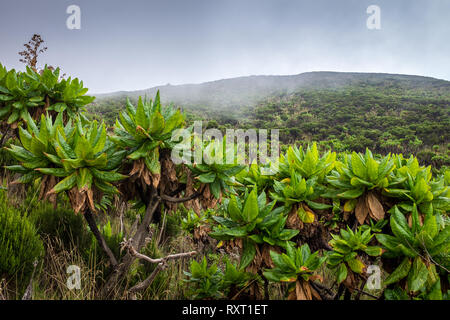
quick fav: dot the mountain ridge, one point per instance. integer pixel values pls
(249, 90)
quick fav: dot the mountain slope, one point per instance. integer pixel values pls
(344, 111)
(246, 91)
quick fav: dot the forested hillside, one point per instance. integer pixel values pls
(344, 111)
(385, 119)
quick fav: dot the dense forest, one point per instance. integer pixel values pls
(382, 119)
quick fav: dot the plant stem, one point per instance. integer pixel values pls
(101, 241)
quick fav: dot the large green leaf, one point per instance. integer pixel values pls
(233, 209)
(418, 275)
(400, 227)
(358, 166)
(67, 183)
(156, 123)
(251, 209)
(248, 253)
(341, 273)
(351, 194)
(399, 273)
(207, 177)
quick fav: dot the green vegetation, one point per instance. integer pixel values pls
(213, 283)
(20, 245)
(384, 117)
(322, 218)
(24, 93)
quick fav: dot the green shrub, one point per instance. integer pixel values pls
(20, 244)
(60, 223)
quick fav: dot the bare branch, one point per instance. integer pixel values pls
(139, 240)
(2, 288)
(431, 258)
(366, 293)
(141, 286)
(179, 200)
(128, 245)
(101, 241)
(162, 263)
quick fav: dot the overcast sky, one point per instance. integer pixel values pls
(131, 45)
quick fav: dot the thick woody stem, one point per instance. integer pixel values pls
(101, 241)
(178, 200)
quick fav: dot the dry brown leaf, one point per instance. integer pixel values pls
(50, 184)
(316, 277)
(410, 220)
(77, 199)
(146, 177)
(155, 180)
(315, 294)
(376, 210)
(90, 196)
(267, 260)
(346, 216)
(361, 210)
(307, 289)
(169, 170)
(43, 188)
(137, 167)
(293, 221)
(292, 295)
(350, 282)
(80, 202)
(238, 243)
(300, 293)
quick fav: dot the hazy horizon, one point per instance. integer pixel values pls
(265, 75)
(142, 44)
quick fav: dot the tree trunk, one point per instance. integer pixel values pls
(101, 241)
(138, 240)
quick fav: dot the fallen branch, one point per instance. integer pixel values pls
(172, 199)
(128, 245)
(244, 288)
(141, 286)
(162, 263)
